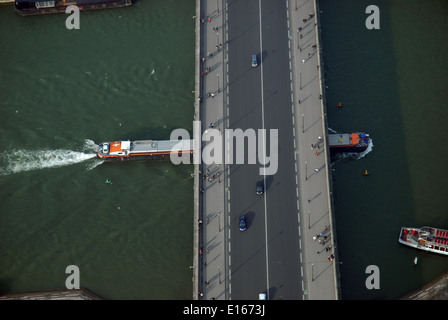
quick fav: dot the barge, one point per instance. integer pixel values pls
(348, 142)
(29, 7)
(143, 149)
(426, 238)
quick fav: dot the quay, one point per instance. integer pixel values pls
(212, 277)
(74, 294)
(434, 290)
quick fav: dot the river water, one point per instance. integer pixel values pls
(129, 74)
(125, 74)
(392, 84)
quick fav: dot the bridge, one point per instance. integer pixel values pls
(289, 250)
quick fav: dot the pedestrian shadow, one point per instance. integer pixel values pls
(306, 42)
(318, 170)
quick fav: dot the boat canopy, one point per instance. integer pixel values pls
(44, 4)
(339, 139)
(125, 145)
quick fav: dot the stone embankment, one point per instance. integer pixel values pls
(435, 290)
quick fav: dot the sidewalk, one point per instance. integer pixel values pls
(211, 282)
(313, 158)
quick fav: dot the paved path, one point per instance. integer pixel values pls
(313, 159)
(314, 180)
(212, 245)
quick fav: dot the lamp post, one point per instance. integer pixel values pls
(312, 272)
(306, 171)
(303, 123)
(309, 220)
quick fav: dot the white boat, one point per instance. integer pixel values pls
(425, 238)
(143, 149)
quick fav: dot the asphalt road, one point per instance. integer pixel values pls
(265, 257)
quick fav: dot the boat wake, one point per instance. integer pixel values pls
(352, 155)
(16, 161)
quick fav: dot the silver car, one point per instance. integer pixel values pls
(254, 61)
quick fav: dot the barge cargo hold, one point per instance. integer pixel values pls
(143, 149)
(348, 142)
(426, 238)
(30, 8)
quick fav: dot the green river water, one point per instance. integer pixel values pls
(129, 74)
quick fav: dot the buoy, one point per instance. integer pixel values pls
(366, 173)
(108, 181)
(339, 105)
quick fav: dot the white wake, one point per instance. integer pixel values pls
(15, 161)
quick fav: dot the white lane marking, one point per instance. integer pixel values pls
(264, 153)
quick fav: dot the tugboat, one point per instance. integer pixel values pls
(143, 149)
(426, 238)
(348, 142)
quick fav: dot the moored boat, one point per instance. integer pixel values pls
(143, 149)
(348, 142)
(425, 238)
(37, 7)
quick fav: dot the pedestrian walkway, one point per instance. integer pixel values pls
(211, 249)
(313, 159)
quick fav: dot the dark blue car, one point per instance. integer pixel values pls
(260, 188)
(243, 225)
